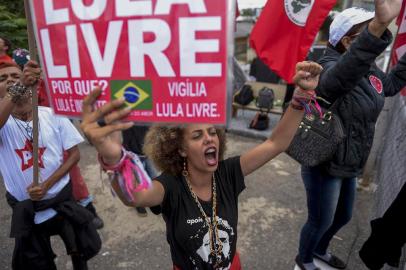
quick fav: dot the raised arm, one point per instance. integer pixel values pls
(107, 141)
(340, 77)
(307, 75)
(385, 12)
(28, 77)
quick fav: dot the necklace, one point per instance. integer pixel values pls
(25, 128)
(27, 131)
(216, 245)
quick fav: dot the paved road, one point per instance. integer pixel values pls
(271, 213)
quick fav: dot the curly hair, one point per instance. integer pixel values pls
(162, 144)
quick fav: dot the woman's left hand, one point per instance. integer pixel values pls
(307, 75)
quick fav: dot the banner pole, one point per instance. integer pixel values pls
(33, 56)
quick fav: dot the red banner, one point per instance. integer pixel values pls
(285, 31)
(167, 58)
(399, 47)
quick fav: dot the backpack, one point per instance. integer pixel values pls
(260, 121)
(265, 98)
(245, 95)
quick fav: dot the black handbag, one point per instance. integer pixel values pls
(245, 95)
(317, 138)
(260, 121)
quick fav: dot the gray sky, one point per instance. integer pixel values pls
(250, 3)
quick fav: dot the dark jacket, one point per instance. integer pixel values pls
(31, 251)
(360, 87)
(388, 236)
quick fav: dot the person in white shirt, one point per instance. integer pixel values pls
(50, 205)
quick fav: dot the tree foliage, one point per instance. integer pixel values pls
(15, 6)
(13, 24)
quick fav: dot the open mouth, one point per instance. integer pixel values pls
(211, 156)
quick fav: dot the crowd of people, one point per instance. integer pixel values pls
(179, 171)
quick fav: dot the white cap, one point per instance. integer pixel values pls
(344, 21)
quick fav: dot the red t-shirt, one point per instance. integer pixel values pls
(42, 95)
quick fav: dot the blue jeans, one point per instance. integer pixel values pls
(330, 201)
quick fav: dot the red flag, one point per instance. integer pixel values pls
(399, 47)
(285, 31)
(237, 14)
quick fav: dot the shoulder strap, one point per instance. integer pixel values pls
(331, 107)
(336, 103)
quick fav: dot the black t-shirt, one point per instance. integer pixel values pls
(186, 229)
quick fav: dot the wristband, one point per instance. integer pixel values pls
(130, 173)
(106, 167)
(306, 99)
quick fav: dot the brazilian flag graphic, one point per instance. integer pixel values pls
(137, 94)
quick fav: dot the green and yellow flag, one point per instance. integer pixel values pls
(137, 94)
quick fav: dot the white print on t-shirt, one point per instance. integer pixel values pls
(27, 158)
(193, 221)
(224, 233)
(204, 250)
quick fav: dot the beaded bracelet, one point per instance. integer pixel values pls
(130, 174)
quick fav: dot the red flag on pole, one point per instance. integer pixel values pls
(237, 14)
(399, 47)
(285, 31)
